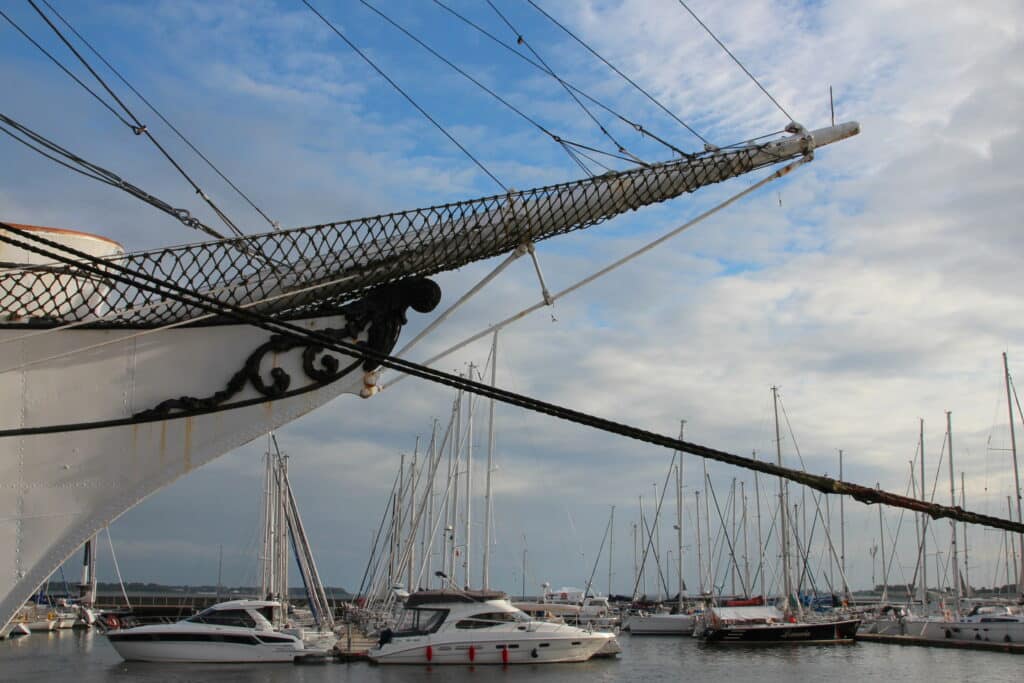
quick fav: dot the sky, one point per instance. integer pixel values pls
(875, 286)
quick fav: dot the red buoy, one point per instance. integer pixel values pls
(472, 653)
(430, 653)
(504, 655)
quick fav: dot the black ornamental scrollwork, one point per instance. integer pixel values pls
(381, 314)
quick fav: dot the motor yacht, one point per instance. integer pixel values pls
(987, 623)
(480, 627)
(235, 631)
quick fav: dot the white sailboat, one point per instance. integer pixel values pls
(122, 371)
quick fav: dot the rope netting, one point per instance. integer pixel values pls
(335, 262)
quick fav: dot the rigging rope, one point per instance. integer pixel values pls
(67, 71)
(462, 72)
(138, 128)
(632, 124)
(96, 172)
(620, 73)
(520, 39)
(404, 94)
(273, 224)
(738, 62)
(112, 270)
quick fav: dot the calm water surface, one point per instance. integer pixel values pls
(86, 657)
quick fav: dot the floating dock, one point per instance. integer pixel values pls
(1013, 648)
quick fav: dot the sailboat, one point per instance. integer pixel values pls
(770, 625)
(122, 371)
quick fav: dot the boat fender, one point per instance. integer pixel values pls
(504, 654)
(1007, 638)
(430, 653)
(472, 653)
(534, 653)
(385, 637)
(949, 634)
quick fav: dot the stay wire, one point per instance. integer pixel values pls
(67, 71)
(619, 72)
(116, 271)
(273, 224)
(556, 138)
(404, 94)
(738, 62)
(632, 124)
(139, 128)
(522, 41)
(96, 172)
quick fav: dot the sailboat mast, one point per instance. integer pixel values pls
(1011, 557)
(967, 563)
(267, 519)
(732, 536)
(707, 536)
(924, 525)
(281, 543)
(952, 500)
(760, 541)
(1016, 471)
(885, 564)
(490, 466)
(679, 529)
(746, 544)
(457, 444)
(842, 533)
(469, 485)
(411, 550)
(611, 549)
(700, 551)
(783, 504)
(679, 518)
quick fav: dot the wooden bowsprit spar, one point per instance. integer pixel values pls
(111, 270)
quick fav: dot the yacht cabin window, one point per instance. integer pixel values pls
(420, 621)
(487, 619)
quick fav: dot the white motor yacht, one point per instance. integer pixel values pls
(235, 631)
(987, 623)
(480, 627)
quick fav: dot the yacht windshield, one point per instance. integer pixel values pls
(420, 621)
(224, 617)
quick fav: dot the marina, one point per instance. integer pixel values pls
(747, 430)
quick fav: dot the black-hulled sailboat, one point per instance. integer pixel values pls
(769, 625)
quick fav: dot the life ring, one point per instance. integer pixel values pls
(112, 622)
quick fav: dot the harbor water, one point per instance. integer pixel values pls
(87, 657)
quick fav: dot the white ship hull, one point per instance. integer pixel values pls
(64, 485)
